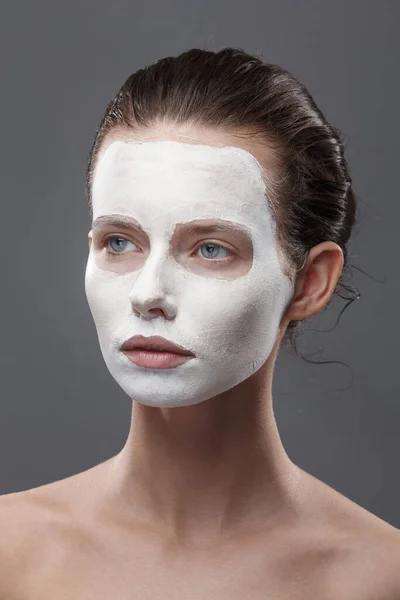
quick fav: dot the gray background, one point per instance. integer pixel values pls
(60, 410)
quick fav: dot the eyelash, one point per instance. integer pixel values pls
(120, 237)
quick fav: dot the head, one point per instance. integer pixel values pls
(221, 151)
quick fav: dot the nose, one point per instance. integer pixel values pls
(149, 295)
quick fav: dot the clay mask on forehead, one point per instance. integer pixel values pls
(223, 304)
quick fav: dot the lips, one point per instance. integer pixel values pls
(155, 343)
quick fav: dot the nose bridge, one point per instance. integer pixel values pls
(149, 288)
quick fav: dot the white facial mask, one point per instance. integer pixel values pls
(228, 315)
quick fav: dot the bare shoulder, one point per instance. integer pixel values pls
(367, 548)
(15, 521)
(35, 525)
(17, 534)
(372, 570)
(30, 522)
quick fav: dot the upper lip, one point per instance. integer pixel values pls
(154, 342)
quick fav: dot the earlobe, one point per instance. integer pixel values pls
(295, 311)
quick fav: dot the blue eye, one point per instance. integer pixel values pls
(213, 246)
(121, 239)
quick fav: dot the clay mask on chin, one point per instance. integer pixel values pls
(227, 312)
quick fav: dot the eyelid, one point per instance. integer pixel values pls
(116, 235)
(215, 243)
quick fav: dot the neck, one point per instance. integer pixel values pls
(206, 471)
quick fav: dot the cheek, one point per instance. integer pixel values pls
(228, 311)
(105, 295)
(243, 311)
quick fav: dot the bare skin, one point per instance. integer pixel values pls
(202, 501)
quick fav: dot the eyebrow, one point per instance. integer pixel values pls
(116, 221)
(191, 227)
(222, 225)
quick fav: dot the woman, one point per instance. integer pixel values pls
(222, 207)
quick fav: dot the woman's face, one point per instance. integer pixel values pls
(197, 264)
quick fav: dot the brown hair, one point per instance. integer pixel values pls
(313, 200)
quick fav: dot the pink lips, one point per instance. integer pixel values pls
(155, 352)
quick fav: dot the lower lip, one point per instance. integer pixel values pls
(155, 360)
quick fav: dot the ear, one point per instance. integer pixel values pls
(316, 282)
(90, 238)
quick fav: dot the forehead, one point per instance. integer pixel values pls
(172, 152)
(165, 164)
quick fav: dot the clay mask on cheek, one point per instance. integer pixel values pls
(227, 315)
